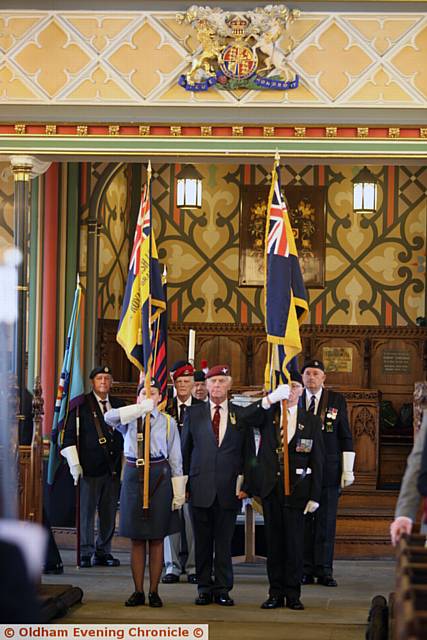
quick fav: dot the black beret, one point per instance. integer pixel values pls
(153, 384)
(96, 370)
(199, 376)
(313, 364)
(296, 376)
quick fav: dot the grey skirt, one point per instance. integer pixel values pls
(160, 521)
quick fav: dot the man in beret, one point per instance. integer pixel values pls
(200, 390)
(94, 457)
(319, 531)
(212, 452)
(181, 544)
(284, 514)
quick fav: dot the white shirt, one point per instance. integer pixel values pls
(187, 403)
(292, 422)
(317, 397)
(223, 418)
(100, 402)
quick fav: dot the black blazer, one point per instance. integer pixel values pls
(92, 457)
(212, 470)
(306, 450)
(336, 433)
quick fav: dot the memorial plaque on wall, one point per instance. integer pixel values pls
(338, 359)
(396, 361)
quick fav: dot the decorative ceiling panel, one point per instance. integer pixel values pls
(137, 58)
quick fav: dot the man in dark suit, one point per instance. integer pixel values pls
(319, 531)
(183, 380)
(284, 514)
(212, 451)
(94, 456)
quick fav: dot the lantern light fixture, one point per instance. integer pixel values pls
(365, 191)
(189, 188)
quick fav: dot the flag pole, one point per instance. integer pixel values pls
(78, 539)
(284, 404)
(146, 499)
(285, 447)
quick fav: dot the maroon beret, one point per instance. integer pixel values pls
(218, 370)
(185, 371)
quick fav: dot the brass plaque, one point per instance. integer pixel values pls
(338, 359)
(396, 361)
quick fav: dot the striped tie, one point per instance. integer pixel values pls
(312, 407)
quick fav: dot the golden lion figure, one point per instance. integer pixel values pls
(211, 50)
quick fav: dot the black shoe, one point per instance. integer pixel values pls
(327, 581)
(136, 599)
(54, 568)
(273, 602)
(295, 604)
(154, 599)
(307, 579)
(191, 578)
(85, 562)
(106, 560)
(224, 600)
(203, 598)
(170, 578)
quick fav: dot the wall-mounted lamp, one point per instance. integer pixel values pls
(365, 187)
(189, 188)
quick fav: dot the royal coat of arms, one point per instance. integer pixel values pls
(241, 50)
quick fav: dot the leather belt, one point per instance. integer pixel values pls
(139, 462)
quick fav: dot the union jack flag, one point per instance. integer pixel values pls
(285, 296)
(277, 241)
(143, 300)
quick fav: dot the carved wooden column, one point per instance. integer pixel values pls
(36, 457)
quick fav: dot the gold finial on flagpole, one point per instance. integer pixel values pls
(149, 170)
(277, 155)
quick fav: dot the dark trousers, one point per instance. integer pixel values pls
(319, 535)
(283, 527)
(213, 532)
(98, 494)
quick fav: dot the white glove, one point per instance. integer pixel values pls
(135, 411)
(398, 527)
(239, 482)
(178, 485)
(311, 507)
(281, 393)
(347, 476)
(72, 457)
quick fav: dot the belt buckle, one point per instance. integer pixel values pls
(279, 450)
(102, 440)
(139, 462)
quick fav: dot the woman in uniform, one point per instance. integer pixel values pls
(166, 488)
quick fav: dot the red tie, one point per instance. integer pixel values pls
(215, 422)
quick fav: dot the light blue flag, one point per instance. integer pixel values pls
(70, 392)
